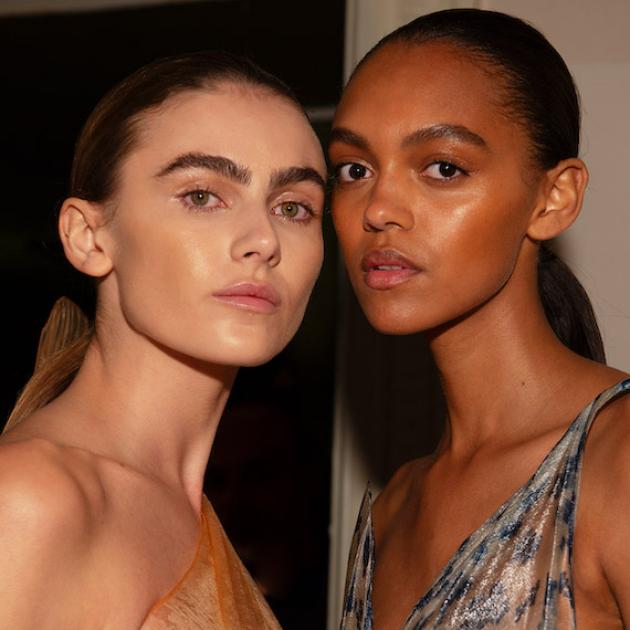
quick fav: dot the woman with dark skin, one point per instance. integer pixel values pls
(455, 156)
(203, 232)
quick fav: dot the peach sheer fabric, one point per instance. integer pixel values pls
(216, 591)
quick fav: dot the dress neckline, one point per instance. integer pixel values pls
(202, 530)
(589, 411)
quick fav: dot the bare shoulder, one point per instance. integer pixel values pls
(608, 447)
(38, 474)
(603, 523)
(49, 510)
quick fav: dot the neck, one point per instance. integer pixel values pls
(500, 366)
(146, 407)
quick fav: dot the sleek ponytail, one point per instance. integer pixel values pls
(62, 346)
(539, 93)
(108, 136)
(567, 307)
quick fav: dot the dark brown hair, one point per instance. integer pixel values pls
(109, 133)
(540, 94)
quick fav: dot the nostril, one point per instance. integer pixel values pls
(368, 226)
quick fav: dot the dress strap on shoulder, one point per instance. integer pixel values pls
(600, 401)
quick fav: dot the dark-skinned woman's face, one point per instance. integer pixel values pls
(434, 188)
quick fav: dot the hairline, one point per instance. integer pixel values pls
(208, 85)
(491, 65)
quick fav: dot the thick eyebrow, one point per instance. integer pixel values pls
(341, 134)
(453, 132)
(294, 175)
(217, 163)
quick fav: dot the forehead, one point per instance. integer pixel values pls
(249, 125)
(408, 86)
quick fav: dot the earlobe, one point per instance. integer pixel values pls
(80, 223)
(562, 200)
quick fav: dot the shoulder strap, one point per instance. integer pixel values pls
(607, 396)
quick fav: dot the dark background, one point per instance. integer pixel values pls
(270, 467)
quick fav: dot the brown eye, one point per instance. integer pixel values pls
(443, 170)
(357, 171)
(352, 172)
(447, 169)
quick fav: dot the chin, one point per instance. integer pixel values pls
(246, 352)
(254, 360)
(230, 342)
(393, 317)
(389, 325)
(400, 317)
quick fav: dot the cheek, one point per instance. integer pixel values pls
(155, 272)
(477, 251)
(466, 262)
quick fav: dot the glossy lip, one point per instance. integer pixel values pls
(386, 268)
(260, 298)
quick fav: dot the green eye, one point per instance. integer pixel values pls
(289, 209)
(292, 211)
(199, 197)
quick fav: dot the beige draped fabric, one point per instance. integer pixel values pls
(216, 591)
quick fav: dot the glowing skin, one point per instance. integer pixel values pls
(438, 210)
(186, 229)
(205, 257)
(424, 171)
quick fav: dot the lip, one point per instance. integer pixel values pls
(259, 298)
(386, 268)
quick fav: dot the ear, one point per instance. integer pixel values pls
(561, 199)
(81, 224)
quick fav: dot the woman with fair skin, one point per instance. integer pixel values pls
(455, 153)
(197, 193)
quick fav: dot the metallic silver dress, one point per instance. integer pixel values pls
(515, 570)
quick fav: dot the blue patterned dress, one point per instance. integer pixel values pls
(512, 572)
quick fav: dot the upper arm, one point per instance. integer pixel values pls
(46, 534)
(603, 523)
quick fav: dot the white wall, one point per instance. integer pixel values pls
(592, 37)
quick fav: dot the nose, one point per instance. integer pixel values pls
(387, 208)
(257, 240)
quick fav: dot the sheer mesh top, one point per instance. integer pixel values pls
(215, 592)
(512, 572)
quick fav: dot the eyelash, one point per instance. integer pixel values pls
(337, 177)
(309, 211)
(185, 198)
(439, 164)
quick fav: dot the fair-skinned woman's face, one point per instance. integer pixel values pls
(431, 201)
(216, 233)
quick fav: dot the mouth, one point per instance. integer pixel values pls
(386, 268)
(259, 298)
